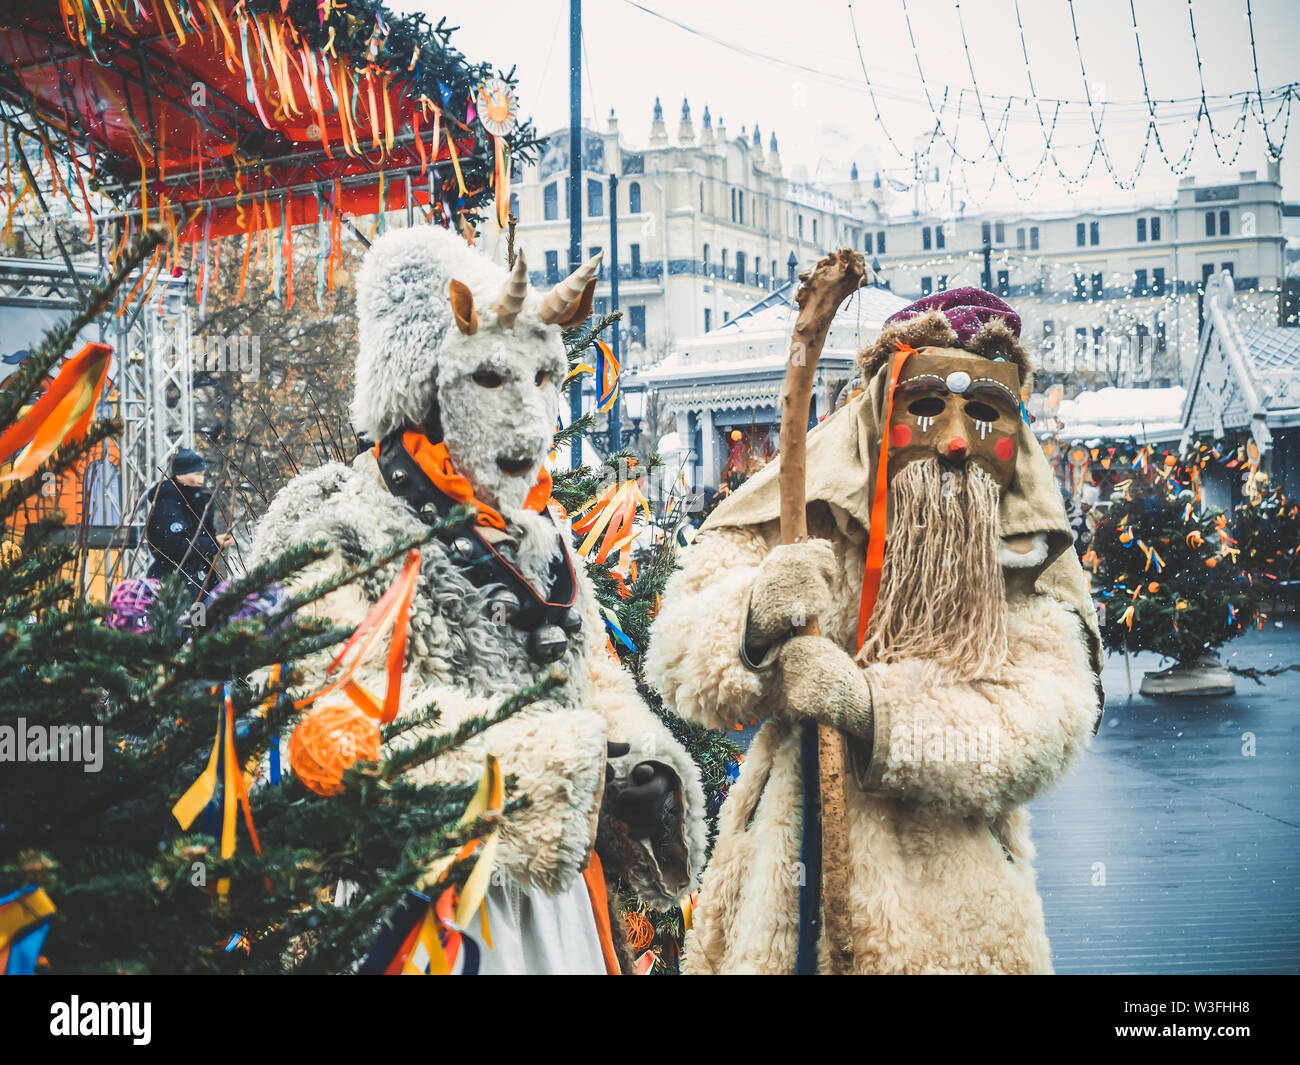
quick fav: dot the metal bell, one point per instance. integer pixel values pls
(548, 643)
(572, 621)
(503, 607)
(429, 513)
(399, 476)
(462, 547)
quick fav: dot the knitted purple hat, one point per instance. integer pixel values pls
(967, 310)
(130, 603)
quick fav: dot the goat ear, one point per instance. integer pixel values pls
(580, 309)
(462, 306)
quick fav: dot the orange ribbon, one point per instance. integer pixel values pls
(435, 460)
(880, 505)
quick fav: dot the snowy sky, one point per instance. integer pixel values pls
(753, 62)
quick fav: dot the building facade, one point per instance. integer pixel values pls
(706, 226)
(1109, 297)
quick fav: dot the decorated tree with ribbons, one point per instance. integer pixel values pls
(1169, 572)
(146, 821)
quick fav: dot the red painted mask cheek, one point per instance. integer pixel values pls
(1005, 449)
(900, 436)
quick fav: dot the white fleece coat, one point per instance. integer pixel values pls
(941, 860)
(465, 663)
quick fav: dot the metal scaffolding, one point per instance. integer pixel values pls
(150, 388)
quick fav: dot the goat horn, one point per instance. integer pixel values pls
(510, 300)
(564, 295)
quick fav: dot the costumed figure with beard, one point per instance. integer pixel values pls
(458, 385)
(965, 689)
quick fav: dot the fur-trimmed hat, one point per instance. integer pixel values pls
(966, 318)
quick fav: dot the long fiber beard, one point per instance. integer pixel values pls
(942, 595)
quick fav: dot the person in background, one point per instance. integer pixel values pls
(180, 529)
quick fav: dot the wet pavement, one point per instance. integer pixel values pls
(1170, 848)
(1167, 848)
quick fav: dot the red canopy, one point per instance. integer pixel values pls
(248, 109)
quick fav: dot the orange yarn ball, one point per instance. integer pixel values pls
(640, 932)
(736, 434)
(329, 740)
(1211, 562)
(1153, 587)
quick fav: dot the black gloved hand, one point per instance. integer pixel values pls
(640, 805)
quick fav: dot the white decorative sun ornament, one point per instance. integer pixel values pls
(958, 381)
(497, 106)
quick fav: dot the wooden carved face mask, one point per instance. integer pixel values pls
(959, 408)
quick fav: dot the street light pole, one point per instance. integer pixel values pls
(575, 191)
(616, 411)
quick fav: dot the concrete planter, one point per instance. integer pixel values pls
(1206, 677)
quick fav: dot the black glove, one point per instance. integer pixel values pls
(640, 804)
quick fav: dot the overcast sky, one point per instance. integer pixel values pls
(794, 68)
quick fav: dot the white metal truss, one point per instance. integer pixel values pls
(150, 388)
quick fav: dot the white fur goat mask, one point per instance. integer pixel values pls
(442, 324)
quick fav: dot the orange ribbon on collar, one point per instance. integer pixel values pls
(435, 461)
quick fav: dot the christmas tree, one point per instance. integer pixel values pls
(1169, 572)
(134, 836)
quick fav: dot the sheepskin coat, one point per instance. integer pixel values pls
(940, 855)
(466, 663)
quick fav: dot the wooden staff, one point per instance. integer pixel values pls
(819, 296)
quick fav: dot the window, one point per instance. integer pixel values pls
(634, 197)
(925, 238)
(724, 264)
(758, 270)
(1080, 342)
(552, 267)
(702, 205)
(635, 252)
(938, 236)
(595, 198)
(591, 254)
(1223, 224)
(726, 316)
(706, 260)
(1000, 233)
(551, 202)
(814, 231)
(1139, 281)
(1207, 271)
(733, 205)
(943, 282)
(1080, 235)
(1079, 292)
(1158, 281)
(880, 243)
(740, 267)
(1142, 230)
(740, 207)
(801, 227)
(1155, 227)
(708, 319)
(1228, 267)
(1209, 223)
(927, 286)
(1033, 238)
(1020, 238)
(514, 204)
(1094, 233)
(1004, 283)
(1097, 335)
(636, 323)
(985, 232)
(1097, 288)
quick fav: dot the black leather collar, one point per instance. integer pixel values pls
(476, 557)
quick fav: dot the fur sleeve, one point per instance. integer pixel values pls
(662, 870)
(557, 760)
(694, 654)
(984, 747)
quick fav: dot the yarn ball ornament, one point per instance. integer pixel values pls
(640, 932)
(130, 603)
(328, 741)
